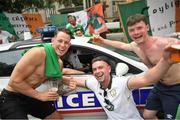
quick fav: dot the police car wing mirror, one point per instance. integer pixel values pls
(121, 69)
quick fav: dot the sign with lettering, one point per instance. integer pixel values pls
(33, 22)
(5, 24)
(78, 100)
(162, 15)
(86, 100)
(17, 24)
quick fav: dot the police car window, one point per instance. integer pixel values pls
(79, 58)
(8, 61)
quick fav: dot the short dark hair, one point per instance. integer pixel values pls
(101, 58)
(71, 16)
(78, 29)
(62, 30)
(133, 19)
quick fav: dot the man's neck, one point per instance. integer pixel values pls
(74, 25)
(147, 43)
(106, 83)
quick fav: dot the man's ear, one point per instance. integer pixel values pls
(148, 28)
(109, 69)
(52, 40)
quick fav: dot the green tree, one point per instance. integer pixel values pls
(16, 6)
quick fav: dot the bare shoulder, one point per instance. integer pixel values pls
(170, 39)
(165, 39)
(34, 54)
(134, 46)
(38, 51)
(159, 41)
(32, 59)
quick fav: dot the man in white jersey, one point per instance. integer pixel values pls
(115, 93)
(150, 50)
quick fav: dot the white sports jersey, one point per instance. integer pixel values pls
(117, 100)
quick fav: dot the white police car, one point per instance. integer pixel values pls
(82, 103)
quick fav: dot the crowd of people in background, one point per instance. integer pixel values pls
(75, 28)
(152, 50)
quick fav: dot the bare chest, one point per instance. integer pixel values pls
(152, 54)
(172, 76)
(37, 77)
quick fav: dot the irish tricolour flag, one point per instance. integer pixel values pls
(17, 24)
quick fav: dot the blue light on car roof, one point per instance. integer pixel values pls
(46, 29)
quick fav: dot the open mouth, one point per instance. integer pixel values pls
(99, 76)
(60, 51)
(137, 37)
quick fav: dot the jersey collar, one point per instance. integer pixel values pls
(109, 85)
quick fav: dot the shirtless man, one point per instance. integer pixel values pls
(20, 97)
(166, 94)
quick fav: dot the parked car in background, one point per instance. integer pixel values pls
(81, 103)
